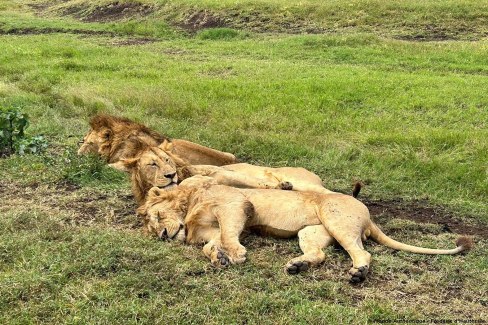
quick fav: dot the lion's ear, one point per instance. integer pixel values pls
(125, 165)
(106, 134)
(142, 211)
(166, 146)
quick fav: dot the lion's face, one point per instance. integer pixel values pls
(156, 169)
(163, 218)
(94, 141)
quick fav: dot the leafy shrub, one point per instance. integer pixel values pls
(13, 124)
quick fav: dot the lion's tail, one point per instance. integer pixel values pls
(356, 189)
(463, 243)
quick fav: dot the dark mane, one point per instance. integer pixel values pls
(124, 126)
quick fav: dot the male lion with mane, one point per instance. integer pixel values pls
(108, 134)
(216, 215)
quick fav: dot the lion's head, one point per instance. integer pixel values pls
(164, 212)
(153, 167)
(108, 137)
(95, 141)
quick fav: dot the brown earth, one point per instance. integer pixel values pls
(49, 30)
(422, 212)
(432, 33)
(201, 20)
(116, 11)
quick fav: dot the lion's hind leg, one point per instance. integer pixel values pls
(346, 219)
(312, 240)
(360, 257)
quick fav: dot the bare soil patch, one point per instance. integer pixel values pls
(202, 19)
(433, 33)
(254, 21)
(133, 41)
(116, 11)
(39, 7)
(422, 212)
(50, 30)
(77, 206)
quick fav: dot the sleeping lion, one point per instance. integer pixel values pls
(108, 137)
(216, 215)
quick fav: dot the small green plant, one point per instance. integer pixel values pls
(13, 124)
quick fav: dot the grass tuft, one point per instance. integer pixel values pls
(221, 34)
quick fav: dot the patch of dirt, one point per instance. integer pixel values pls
(68, 199)
(39, 7)
(200, 20)
(116, 11)
(133, 41)
(432, 33)
(253, 21)
(66, 186)
(49, 30)
(421, 212)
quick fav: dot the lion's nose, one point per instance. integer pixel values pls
(164, 234)
(170, 176)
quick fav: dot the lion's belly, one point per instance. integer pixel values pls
(280, 213)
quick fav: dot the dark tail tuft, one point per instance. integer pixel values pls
(356, 189)
(465, 242)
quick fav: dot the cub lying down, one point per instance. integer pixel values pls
(216, 215)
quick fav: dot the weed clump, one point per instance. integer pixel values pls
(13, 139)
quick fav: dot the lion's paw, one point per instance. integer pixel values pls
(358, 274)
(295, 267)
(237, 255)
(220, 260)
(287, 186)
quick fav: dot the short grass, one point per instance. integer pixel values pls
(359, 102)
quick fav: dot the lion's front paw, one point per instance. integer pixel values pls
(220, 259)
(237, 255)
(287, 186)
(295, 267)
(358, 274)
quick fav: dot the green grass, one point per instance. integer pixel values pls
(408, 118)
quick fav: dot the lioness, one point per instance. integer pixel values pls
(158, 166)
(216, 215)
(108, 134)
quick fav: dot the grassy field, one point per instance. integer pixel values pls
(389, 93)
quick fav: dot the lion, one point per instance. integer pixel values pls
(156, 166)
(216, 215)
(108, 134)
